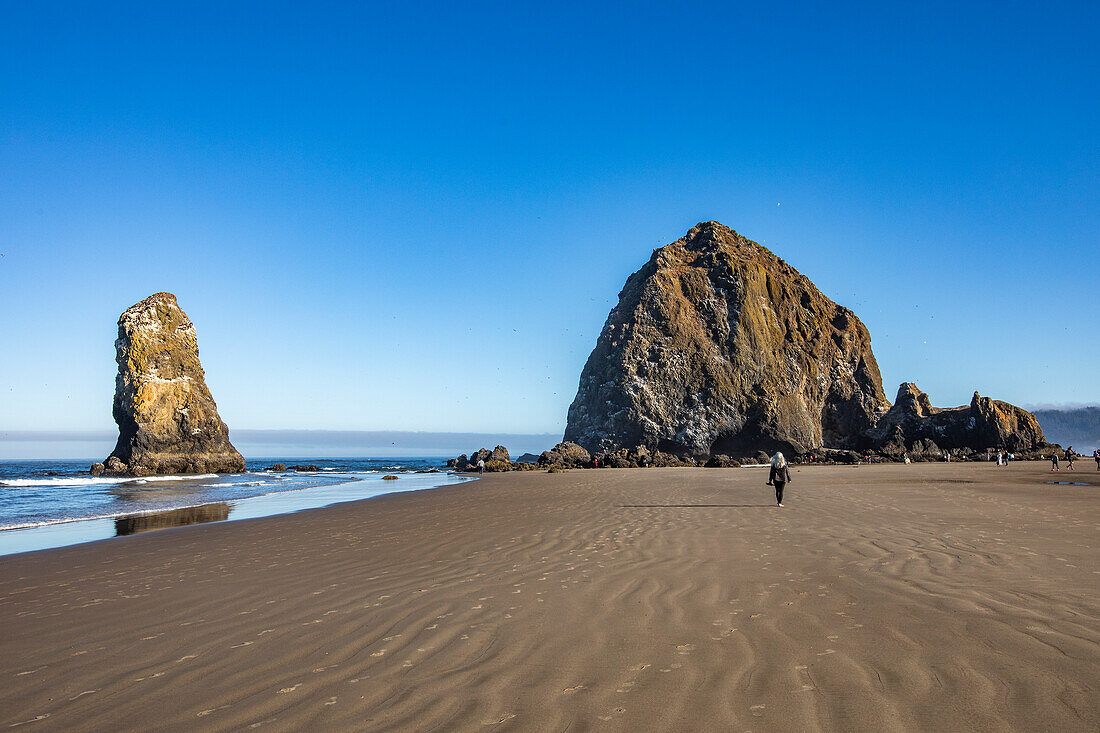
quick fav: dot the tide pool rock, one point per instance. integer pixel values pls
(167, 420)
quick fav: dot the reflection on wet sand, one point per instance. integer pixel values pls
(173, 518)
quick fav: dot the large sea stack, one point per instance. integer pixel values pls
(717, 346)
(167, 420)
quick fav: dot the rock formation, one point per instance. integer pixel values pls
(913, 425)
(717, 346)
(167, 420)
(565, 455)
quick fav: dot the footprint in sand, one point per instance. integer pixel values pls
(330, 701)
(571, 690)
(498, 721)
(685, 648)
(757, 710)
(285, 690)
(35, 719)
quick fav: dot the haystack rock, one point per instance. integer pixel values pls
(981, 425)
(167, 420)
(717, 346)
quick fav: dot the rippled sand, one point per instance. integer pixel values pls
(925, 597)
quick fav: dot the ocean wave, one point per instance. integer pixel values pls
(62, 481)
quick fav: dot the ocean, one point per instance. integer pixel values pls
(52, 503)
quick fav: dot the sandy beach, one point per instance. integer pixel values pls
(928, 597)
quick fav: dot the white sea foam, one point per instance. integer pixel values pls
(61, 481)
(177, 477)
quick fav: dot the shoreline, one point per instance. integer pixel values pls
(66, 531)
(923, 597)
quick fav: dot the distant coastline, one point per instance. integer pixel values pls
(1079, 427)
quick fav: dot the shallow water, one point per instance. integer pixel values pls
(47, 504)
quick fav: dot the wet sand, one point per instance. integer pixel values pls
(928, 597)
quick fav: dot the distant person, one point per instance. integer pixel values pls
(1096, 457)
(779, 476)
(1000, 458)
(1054, 462)
(595, 462)
(1069, 458)
(481, 465)
(645, 462)
(905, 458)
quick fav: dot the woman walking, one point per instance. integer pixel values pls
(779, 476)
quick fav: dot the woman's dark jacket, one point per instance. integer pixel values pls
(779, 475)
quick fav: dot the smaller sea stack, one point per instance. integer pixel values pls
(167, 420)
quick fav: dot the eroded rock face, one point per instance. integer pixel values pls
(912, 425)
(167, 420)
(717, 346)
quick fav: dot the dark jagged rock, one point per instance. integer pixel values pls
(719, 347)
(527, 458)
(277, 467)
(913, 426)
(496, 460)
(566, 455)
(167, 420)
(720, 461)
(636, 457)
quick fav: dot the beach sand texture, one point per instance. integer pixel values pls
(932, 597)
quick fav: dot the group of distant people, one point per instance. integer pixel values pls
(1069, 455)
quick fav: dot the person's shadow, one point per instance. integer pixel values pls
(694, 506)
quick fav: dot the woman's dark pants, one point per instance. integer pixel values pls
(779, 491)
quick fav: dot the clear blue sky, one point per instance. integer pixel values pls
(416, 216)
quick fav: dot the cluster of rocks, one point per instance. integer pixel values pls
(565, 456)
(298, 467)
(496, 460)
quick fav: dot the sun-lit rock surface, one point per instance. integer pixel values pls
(167, 420)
